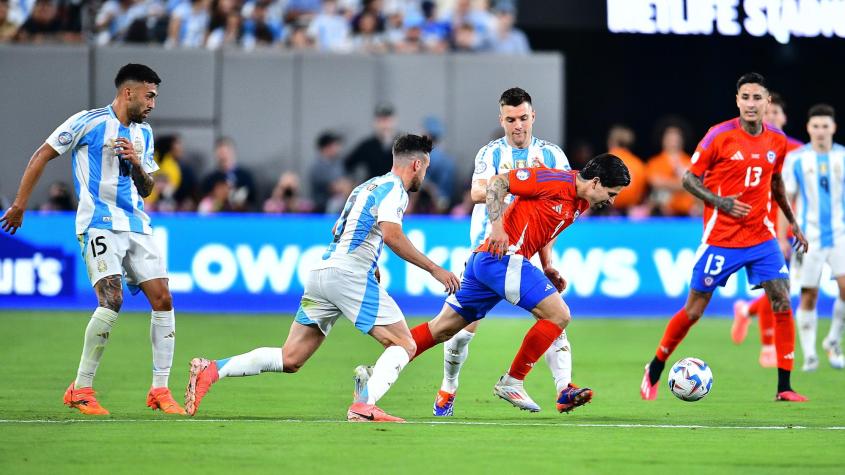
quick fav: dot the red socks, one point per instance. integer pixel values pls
(785, 339)
(675, 332)
(422, 337)
(538, 339)
(767, 321)
(754, 308)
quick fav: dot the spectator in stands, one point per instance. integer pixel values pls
(286, 196)
(374, 153)
(475, 18)
(43, 25)
(372, 9)
(441, 170)
(262, 28)
(435, 31)
(8, 28)
(171, 160)
(330, 29)
(115, 18)
(299, 39)
(59, 198)
(367, 38)
(325, 169)
(665, 172)
(302, 11)
(620, 139)
(507, 39)
(411, 42)
(465, 39)
(189, 24)
(240, 183)
(341, 188)
(217, 198)
(161, 199)
(224, 28)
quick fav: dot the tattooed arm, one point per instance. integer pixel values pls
(728, 204)
(497, 189)
(779, 194)
(143, 181)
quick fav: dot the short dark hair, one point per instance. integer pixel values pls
(822, 110)
(327, 138)
(778, 100)
(610, 170)
(751, 78)
(410, 144)
(136, 72)
(514, 97)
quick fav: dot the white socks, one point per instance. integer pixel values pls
(455, 352)
(837, 321)
(163, 338)
(259, 360)
(559, 359)
(807, 322)
(96, 337)
(385, 372)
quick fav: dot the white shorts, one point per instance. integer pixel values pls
(808, 270)
(332, 292)
(132, 255)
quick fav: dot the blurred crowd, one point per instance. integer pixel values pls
(339, 26)
(335, 168)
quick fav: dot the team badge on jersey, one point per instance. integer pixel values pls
(101, 265)
(522, 175)
(139, 146)
(770, 156)
(521, 164)
(65, 138)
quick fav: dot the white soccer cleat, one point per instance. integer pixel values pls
(811, 363)
(834, 353)
(362, 376)
(516, 395)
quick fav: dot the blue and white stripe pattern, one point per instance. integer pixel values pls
(499, 157)
(818, 182)
(358, 237)
(108, 199)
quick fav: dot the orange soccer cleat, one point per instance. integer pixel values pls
(362, 412)
(203, 375)
(739, 327)
(161, 399)
(572, 396)
(84, 400)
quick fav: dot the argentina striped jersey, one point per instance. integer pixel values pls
(817, 181)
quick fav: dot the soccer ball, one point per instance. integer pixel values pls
(690, 379)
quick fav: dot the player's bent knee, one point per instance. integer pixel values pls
(162, 302)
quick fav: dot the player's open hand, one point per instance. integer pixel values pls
(124, 149)
(734, 207)
(800, 243)
(12, 219)
(498, 242)
(554, 276)
(449, 280)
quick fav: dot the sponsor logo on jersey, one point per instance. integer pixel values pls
(755, 156)
(737, 156)
(522, 175)
(557, 208)
(770, 156)
(65, 138)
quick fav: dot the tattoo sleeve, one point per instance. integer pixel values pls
(695, 186)
(497, 189)
(779, 194)
(143, 181)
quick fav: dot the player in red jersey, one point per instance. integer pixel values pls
(761, 308)
(547, 202)
(735, 170)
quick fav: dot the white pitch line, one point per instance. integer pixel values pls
(461, 423)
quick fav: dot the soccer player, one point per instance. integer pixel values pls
(743, 311)
(813, 176)
(345, 283)
(735, 169)
(112, 151)
(517, 149)
(547, 202)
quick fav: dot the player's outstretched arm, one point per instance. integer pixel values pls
(779, 194)
(404, 248)
(728, 204)
(497, 189)
(12, 219)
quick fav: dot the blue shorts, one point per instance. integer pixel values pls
(763, 262)
(487, 280)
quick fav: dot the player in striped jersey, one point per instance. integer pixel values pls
(345, 283)
(112, 153)
(814, 176)
(517, 149)
(736, 170)
(743, 311)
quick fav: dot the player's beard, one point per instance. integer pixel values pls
(136, 113)
(415, 185)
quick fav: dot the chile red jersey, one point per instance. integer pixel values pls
(735, 162)
(545, 204)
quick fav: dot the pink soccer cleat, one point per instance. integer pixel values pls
(648, 391)
(790, 396)
(363, 412)
(739, 327)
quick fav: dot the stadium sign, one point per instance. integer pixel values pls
(781, 19)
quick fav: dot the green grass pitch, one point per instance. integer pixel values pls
(281, 423)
